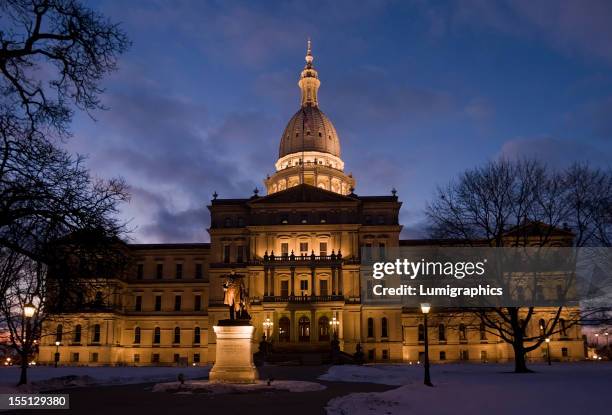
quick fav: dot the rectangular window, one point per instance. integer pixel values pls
(226, 254)
(371, 355)
(158, 302)
(138, 304)
(323, 287)
(304, 286)
(564, 352)
(483, 356)
(240, 254)
(94, 357)
(198, 271)
(284, 287)
(155, 358)
(367, 253)
(179, 271)
(323, 249)
(381, 250)
(465, 355)
(96, 334)
(136, 358)
(177, 302)
(284, 249)
(196, 358)
(75, 357)
(385, 354)
(421, 356)
(442, 355)
(303, 248)
(159, 274)
(197, 303)
(176, 358)
(140, 272)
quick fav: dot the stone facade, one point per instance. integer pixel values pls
(298, 249)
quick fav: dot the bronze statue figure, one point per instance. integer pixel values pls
(236, 297)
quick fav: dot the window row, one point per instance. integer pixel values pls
(384, 327)
(176, 338)
(177, 305)
(160, 271)
(77, 334)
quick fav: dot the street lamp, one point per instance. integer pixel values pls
(268, 324)
(425, 307)
(57, 355)
(28, 313)
(607, 340)
(548, 350)
(334, 323)
(29, 310)
(596, 340)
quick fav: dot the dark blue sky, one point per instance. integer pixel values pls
(418, 91)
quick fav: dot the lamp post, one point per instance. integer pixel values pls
(425, 307)
(28, 313)
(268, 324)
(548, 350)
(334, 323)
(57, 355)
(607, 340)
(596, 341)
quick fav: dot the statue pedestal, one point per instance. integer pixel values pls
(234, 357)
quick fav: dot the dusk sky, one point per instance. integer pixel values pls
(418, 92)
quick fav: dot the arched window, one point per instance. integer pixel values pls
(421, 333)
(96, 334)
(462, 332)
(304, 329)
(177, 335)
(77, 333)
(196, 335)
(542, 326)
(370, 327)
(284, 329)
(563, 327)
(156, 335)
(384, 327)
(58, 333)
(323, 329)
(441, 333)
(483, 332)
(137, 335)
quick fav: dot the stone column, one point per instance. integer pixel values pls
(340, 282)
(333, 280)
(312, 281)
(292, 282)
(265, 281)
(272, 281)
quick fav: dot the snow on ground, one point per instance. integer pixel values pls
(223, 388)
(568, 388)
(50, 378)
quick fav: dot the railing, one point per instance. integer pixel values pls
(302, 298)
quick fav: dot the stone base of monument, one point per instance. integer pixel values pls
(234, 356)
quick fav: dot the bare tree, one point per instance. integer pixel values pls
(523, 203)
(54, 217)
(75, 46)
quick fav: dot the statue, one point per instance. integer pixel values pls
(236, 297)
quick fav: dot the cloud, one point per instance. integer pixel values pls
(571, 27)
(556, 152)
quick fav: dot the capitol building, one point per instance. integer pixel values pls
(298, 249)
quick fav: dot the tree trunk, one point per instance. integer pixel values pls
(23, 378)
(520, 363)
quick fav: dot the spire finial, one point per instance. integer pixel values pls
(309, 53)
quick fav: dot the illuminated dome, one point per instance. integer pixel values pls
(309, 150)
(309, 130)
